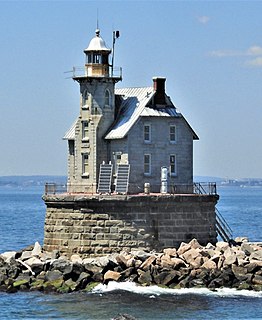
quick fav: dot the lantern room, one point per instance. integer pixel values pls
(97, 57)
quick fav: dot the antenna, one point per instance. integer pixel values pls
(116, 35)
(97, 24)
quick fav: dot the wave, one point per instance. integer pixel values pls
(153, 291)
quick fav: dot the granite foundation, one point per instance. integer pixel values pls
(93, 225)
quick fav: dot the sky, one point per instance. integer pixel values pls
(209, 51)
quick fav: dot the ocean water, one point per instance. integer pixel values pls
(22, 214)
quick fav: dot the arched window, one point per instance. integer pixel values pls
(107, 98)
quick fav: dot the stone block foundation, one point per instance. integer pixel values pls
(93, 225)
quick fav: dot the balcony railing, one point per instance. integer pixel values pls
(207, 188)
(81, 72)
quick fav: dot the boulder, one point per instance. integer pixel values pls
(239, 272)
(165, 278)
(92, 269)
(75, 258)
(37, 250)
(145, 278)
(209, 265)
(64, 266)
(35, 264)
(257, 280)
(172, 252)
(256, 255)
(147, 263)
(229, 260)
(7, 256)
(222, 246)
(140, 254)
(239, 240)
(178, 263)
(52, 275)
(197, 262)
(183, 248)
(190, 255)
(111, 276)
(122, 261)
(195, 244)
(25, 255)
(247, 248)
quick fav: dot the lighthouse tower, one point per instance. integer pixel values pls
(86, 145)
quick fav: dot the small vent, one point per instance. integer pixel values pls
(105, 177)
(122, 178)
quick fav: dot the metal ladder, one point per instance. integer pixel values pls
(122, 178)
(222, 227)
(105, 178)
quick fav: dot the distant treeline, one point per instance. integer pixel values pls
(24, 181)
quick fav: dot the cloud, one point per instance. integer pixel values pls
(255, 51)
(203, 19)
(257, 62)
(224, 53)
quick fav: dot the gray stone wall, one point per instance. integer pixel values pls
(99, 117)
(98, 225)
(160, 149)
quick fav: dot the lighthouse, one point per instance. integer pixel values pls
(86, 146)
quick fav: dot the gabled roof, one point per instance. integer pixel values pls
(70, 134)
(133, 103)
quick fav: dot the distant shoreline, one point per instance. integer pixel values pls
(41, 180)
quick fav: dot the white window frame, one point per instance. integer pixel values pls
(147, 134)
(173, 165)
(85, 130)
(172, 127)
(147, 172)
(85, 164)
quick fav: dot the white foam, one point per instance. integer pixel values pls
(153, 291)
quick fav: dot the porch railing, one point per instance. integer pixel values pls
(208, 188)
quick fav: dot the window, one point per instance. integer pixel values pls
(147, 164)
(96, 58)
(71, 147)
(172, 133)
(147, 133)
(107, 98)
(85, 98)
(172, 163)
(85, 130)
(85, 164)
(117, 160)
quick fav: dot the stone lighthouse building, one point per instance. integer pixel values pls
(137, 131)
(130, 170)
(86, 144)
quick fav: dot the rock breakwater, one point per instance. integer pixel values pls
(237, 265)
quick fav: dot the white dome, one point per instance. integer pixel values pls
(97, 44)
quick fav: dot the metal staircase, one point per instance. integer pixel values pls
(105, 178)
(122, 178)
(222, 227)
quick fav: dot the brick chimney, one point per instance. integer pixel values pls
(159, 88)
